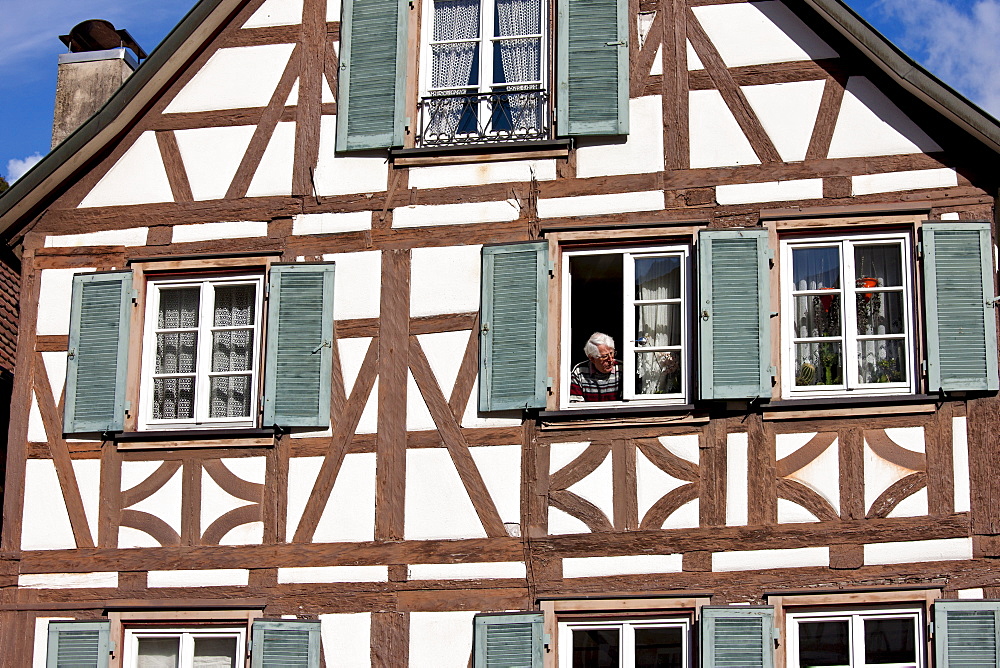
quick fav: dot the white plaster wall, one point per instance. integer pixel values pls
(475, 571)
(55, 370)
(685, 446)
(822, 475)
(770, 191)
(754, 33)
(215, 501)
(356, 292)
(971, 593)
(326, 93)
(241, 229)
(586, 567)
(914, 505)
(752, 560)
(870, 124)
(960, 459)
(352, 355)
(88, 480)
(347, 639)
(138, 177)
(916, 551)
(424, 215)
(164, 503)
(418, 416)
(788, 112)
(274, 174)
(349, 514)
(46, 522)
(93, 580)
(563, 523)
(434, 291)
(444, 352)
(211, 157)
(220, 577)
(652, 483)
(333, 10)
(910, 180)
(54, 299)
(716, 139)
(879, 475)
(790, 512)
(598, 487)
(234, 78)
(440, 639)
(694, 62)
(276, 13)
(473, 419)
(687, 516)
(737, 472)
(641, 152)
(561, 454)
(325, 574)
(437, 505)
(36, 426)
(293, 95)
(133, 236)
(592, 205)
(786, 444)
(511, 171)
(39, 656)
(500, 467)
(331, 223)
(657, 67)
(346, 175)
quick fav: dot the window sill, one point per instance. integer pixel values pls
(460, 155)
(796, 409)
(621, 416)
(195, 438)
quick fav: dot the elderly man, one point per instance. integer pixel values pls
(600, 377)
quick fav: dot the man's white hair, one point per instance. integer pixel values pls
(597, 339)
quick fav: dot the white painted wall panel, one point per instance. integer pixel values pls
(657, 68)
(41, 644)
(790, 512)
(164, 503)
(211, 157)
(331, 223)
(55, 370)
(974, 593)
(561, 454)
(444, 351)
(916, 551)
(418, 416)
(652, 483)
(687, 516)
(325, 574)
(914, 505)
(716, 138)
(752, 560)
(347, 175)
(786, 444)
(434, 291)
(368, 424)
(88, 480)
(870, 124)
(437, 505)
(219, 577)
(128, 537)
(563, 523)
(276, 13)
(788, 113)
(425, 215)
(347, 639)
(352, 354)
(137, 178)
(332, 10)
(356, 291)
(685, 446)
(879, 475)
(440, 639)
(586, 567)
(94, 580)
(234, 78)
(241, 229)
(641, 152)
(511, 171)
(960, 459)
(293, 95)
(133, 236)
(598, 488)
(473, 419)
(771, 191)
(215, 501)
(500, 467)
(592, 205)
(737, 484)
(46, 522)
(54, 299)
(36, 426)
(274, 174)
(350, 512)
(474, 571)
(326, 93)
(822, 475)
(910, 180)
(694, 62)
(911, 438)
(755, 33)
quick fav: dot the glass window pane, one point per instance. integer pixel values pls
(517, 60)
(234, 305)
(178, 308)
(173, 398)
(230, 397)
(215, 652)
(176, 352)
(456, 19)
(882, 361)
(880, 313)
(818, 364)
(816, 268)
(455, 66)
(658, 325)
(890, 641)
(659, 648)
(658, 277)
(598, 648)
(658, 373)
(232, 350)
(817, 315)
(824, 644)
(159, 652)
(878, 265)
(518, 17)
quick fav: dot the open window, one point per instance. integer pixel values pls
(856, 638)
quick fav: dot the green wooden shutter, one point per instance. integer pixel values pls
(966, 634)
(285, 644)
(78, 644)
(514, 323)
(592, 67)
(961, 323)
(734, 314)
(370, 105)
(98, 352)
(299, 360)
(737, 637)
(508, 641)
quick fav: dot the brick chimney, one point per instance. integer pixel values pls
(99, 61)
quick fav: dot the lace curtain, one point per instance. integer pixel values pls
(658, 325)
(520, 60)
(452, 70)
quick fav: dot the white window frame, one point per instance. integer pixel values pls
(626, 348)
(856, 619)
(626, 628)
(849, 337)
(187, 637)
(204, 358)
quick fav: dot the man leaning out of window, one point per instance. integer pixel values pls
(599, 378)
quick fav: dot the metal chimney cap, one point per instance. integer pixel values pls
(99, 35)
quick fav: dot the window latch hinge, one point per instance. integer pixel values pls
(774, 314)
(923, 366)
(920, 250)
(485, 329)
(993, 302)
(71, 353)
(624, 42)
(773, 370)
(548, 383)
(135, 297)
(325, 344)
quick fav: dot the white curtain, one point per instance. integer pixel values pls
(159, 653)
(452, 64)
(215, 652)
(658, 325)
(520, 58)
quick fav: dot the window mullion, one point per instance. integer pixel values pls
(204, 365)
(627, 344)
(627, 645)
(849, 321)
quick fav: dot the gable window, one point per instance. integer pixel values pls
(485, 72)
(856, 639)
(202, 352)
(663, 643)
(848, 305)
(184, 648)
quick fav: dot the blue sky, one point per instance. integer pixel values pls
(955, 39)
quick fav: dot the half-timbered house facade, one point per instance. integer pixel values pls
(301, 303)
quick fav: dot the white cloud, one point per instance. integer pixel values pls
(958, 42)
(17, 168)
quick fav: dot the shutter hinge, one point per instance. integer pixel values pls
(71, 353)
(770, 253)
(773, 370)
(485, 329)
(930, 630)
(135, 297)
(547, 641)
(624, 42)
(548, 383)
(774, 314)
(920, 250)
(923, 366)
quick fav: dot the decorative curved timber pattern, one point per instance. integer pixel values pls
(799, 491)
(911, 475)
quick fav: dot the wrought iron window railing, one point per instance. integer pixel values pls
(484, 118)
